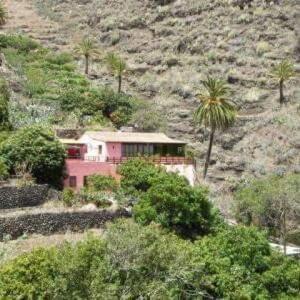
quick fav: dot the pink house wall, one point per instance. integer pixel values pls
(81, 168)
(114, 150)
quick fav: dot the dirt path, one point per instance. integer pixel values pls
(23, 18)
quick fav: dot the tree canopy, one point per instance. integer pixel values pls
(38, 148)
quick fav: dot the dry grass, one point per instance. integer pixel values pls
(13, 248)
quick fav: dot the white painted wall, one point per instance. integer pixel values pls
(188, 171)
(93, 149)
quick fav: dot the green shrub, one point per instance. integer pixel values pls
(55, 273)
(137, 175)
(239, 264)
(259, 201)
(4, 172)
(101, 183)
(39, 149)
(100, 199)
(68, 196)
(19, 42)
(173, 203)
(145, 262)
(4, 104)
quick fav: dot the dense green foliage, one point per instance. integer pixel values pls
(38, 148)
(101, 183)
(167, 199)
(259, 201)
(134, 262)
(4, 171)
(173, 203)
(4, 103)
(137, 175)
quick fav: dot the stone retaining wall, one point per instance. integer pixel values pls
(48, 223)
(16, 197)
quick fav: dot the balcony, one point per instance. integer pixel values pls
(164, 160)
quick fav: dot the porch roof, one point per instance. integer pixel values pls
(132, 137)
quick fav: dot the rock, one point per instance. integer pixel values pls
(89, 207)
(171, 62)
(184, 113)
(141, 68)
(232, 79)
(255, 95)
(296, 142)
(280, 170)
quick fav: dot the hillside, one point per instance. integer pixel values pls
(171, 48)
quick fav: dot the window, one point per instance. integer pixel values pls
(72, 181)
(100, 149)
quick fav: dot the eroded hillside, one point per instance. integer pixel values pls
(171, 48)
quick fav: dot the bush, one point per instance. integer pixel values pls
(4, 103)
(3, 170)
(100, 199)
(137, 262)
(137, 175)
(259, 201)
(238, 264)
(68, 196)
(19, 42)
(173, 203)
(102, 183)
(39, 149)
(42, 275)
(117, 107)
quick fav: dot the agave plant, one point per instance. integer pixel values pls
(214, 111)
(118, 67)
(283, 72)
(88, 49)
(3, 14)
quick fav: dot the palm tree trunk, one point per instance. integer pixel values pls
(86, 64)
(211, 140)
(120, 83)
(283, 226)
(281, 98)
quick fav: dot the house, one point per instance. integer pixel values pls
(97, 152)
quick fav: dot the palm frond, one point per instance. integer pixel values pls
(87, 47)
(116, 63)
(283, 71)
(215, 111)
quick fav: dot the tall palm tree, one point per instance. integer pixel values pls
(118, 67)
(3, 14)
(88, 49)
(214, 111)
(283, 72)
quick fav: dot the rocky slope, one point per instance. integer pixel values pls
(171, 48)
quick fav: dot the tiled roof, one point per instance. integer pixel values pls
(132, 137)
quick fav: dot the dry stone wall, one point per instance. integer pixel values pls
(48, 223)
(17, 197)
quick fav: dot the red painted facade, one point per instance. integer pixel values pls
(79, 168)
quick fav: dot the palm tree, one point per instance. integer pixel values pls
(88, 49)
(283, 72)
(3, 15)
(214, 111)
(118, 67)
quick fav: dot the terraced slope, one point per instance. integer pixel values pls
(171, 48)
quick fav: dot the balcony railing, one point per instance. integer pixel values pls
(165, 160)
